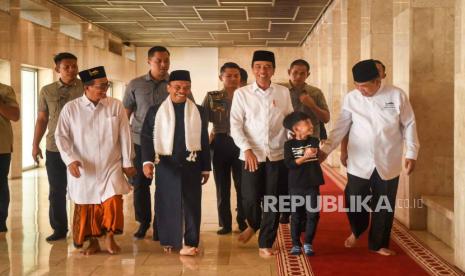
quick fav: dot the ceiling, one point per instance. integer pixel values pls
(203, 23)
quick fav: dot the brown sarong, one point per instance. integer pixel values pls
(95, 220)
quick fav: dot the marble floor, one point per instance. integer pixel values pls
(24, 251)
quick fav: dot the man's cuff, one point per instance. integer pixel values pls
(127, 164)
(68, 159)
(148, 162)
(411, 155)
(326, 149)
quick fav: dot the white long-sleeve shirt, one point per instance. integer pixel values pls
(100, 138)
(379, 126)
(257, 120)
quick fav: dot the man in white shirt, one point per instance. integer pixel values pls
(382, 74)
(380, 119)
(94, 140)
(257, 114)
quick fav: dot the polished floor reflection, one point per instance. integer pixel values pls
(24, 251)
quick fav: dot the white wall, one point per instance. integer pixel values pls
(5, 74)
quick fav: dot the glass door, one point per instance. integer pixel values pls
(29, 94)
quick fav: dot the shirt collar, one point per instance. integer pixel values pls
(256, 88)
(62, 84)
(148, 77)
(86, 102)
(295, 88)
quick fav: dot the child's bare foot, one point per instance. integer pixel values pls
(189, 251)
(386, 252)
(167, 249)
(267, 252)
(92, 248)
(111, 245)
(246, 235)
(351, 241)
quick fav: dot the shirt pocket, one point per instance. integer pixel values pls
(53, 106)
(390, 116)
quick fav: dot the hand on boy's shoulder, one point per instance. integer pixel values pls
(310, 153)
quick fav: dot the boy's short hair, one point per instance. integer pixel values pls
(300, 62)
(61, 56)
(230, 65)
(291, 119)
(155, 49)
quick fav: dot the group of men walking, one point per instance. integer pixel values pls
(99, 149)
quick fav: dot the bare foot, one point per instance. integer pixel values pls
(246, 235)
(189, 251)
(92, 248)
(190, 263)
(386, 252)
(167, 249)
(267, 252)
(351, 241)
(111, 245)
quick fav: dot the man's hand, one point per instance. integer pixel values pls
(322, 156)
(74, 169)
(205, 176)
(129, 172)
(211, 137)
(148, 170)
(344, 157)
(310, 153)
(251, 161)
(410, 165)
(307, 100)
(36, 154)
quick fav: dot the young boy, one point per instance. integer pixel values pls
(305, 178)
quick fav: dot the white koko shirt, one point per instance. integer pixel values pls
(257, 120)
(100, 138)
(379, 126)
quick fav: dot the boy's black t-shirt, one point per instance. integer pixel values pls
(304, 176)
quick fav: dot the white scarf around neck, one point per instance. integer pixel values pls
(163, 131)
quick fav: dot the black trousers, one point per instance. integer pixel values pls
(266, 181)
(305, 219)
(382, 219)
(56, 171)
(225, 155)
(141, 184)
(5, 159)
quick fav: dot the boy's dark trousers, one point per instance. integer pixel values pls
(225, 157)
(381, 220)
(305, 220)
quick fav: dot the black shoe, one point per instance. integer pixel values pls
(284, 219)
(3, 228)
(224, 231)
(56, 236)
(140, 233)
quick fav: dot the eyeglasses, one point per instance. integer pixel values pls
(102, 86)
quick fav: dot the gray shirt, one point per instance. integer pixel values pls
(141, 93)
(52, 99)
(317, 96)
